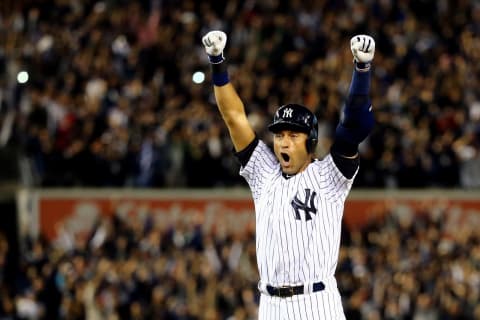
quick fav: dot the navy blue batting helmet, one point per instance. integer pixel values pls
(296, 117)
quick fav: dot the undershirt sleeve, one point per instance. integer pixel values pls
(244, 155)
(347, 166)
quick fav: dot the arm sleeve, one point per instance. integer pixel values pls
(357, 118)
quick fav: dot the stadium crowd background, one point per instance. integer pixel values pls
(110, 101)
(409, 264)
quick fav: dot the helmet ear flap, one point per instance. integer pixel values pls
(313, 136)
(311, 144)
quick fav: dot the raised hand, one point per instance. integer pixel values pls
(363, 48)
(214, 43)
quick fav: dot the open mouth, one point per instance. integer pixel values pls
(285, 157)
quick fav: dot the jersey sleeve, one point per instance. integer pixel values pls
(259, 168)
(333, 181)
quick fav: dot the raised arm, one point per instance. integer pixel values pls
(229, 103)
(357, 119)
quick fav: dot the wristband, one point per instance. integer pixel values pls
(220, 79)
(219, 71)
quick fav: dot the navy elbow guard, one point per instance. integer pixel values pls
(355, 125)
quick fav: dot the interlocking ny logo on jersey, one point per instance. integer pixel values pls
(308, 206)
(287, 113)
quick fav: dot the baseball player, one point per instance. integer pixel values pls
(298, 199)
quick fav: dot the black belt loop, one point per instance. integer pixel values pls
(285, 292)
(318, 286)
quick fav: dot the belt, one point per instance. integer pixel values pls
(287, 291)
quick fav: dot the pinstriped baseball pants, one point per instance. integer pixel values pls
(323, 305)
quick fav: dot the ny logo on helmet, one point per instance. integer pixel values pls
(287, 113)
(308, 206)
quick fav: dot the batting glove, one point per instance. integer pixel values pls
(214, 43)
(363, 49)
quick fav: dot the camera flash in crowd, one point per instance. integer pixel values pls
(22, 77)
(198, 77)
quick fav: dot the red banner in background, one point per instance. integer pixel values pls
(453, 212)
(77, 214)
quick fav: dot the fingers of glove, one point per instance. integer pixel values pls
(206, 41)
(363, 43)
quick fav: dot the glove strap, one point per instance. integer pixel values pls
(216, 59)
(362, 66)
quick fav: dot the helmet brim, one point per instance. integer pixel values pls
(286, 125)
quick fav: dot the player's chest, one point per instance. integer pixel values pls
(291, 203)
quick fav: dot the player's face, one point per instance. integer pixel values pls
(290, 149)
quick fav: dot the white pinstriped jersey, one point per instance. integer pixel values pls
(298, 220)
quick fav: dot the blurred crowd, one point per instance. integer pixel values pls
(101, 93)
(108, 98)
(407, 264)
